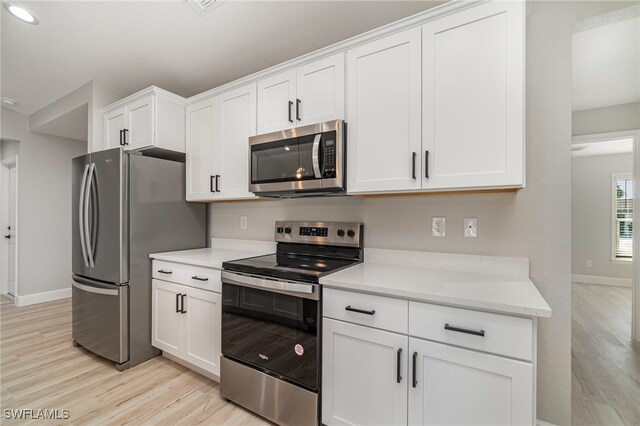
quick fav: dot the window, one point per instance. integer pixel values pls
(622, 217)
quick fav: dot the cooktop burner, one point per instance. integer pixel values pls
(306, 251)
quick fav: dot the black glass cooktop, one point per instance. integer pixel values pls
(296, 267)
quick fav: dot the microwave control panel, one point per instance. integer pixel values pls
(329, 158)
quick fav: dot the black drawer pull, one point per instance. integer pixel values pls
(162, 271)
(415, 361)
(398, 376)
(197, 278)
(360, 311)
(182, 309)
(178, 310)
(464, 330)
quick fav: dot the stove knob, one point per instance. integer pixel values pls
(279, 229)
(340, 233)
(351, 233)
(287, 230)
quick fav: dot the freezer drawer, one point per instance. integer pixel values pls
(101, 318)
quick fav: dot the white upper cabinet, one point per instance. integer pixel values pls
(310, 94)
(237, 122)
(202, 126)
(152, 118)
(218, 131)
(473, 97)
(384, 114)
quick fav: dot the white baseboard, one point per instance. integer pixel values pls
(47, 296)
(594, 279)
(543, 423)
(190, 366)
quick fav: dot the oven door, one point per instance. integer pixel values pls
(273, 329)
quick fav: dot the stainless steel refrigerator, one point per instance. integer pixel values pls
(125, 206)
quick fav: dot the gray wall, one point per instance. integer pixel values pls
(536, 222)
(608, 119)
(591, 209)
(9, 148)
(44, 205)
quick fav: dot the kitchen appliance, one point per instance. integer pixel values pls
(272, 316)
(125, 206)
(305, 161)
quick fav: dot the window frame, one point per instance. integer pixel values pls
(615, 177)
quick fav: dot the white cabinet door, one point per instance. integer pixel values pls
(114, 123)
(455, 386)
(473, 99)
(167, 321)
(140, 124)
(202, 135)
(360, 380)
(276, 102)
(202, 329)
(320, 91)
(384, 114)
(237, 121)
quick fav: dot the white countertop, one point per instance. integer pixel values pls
(221, 251)
(509, 292)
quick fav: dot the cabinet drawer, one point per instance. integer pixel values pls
(374, 311)
(494, 333)
(193, 276)
(167, 271)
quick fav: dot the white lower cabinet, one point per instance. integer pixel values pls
(186, 323)
(373, 376)
(365, 375)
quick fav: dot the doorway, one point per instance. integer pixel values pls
(9, 223)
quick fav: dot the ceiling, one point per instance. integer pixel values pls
(606, 60)
(127, 46)
(607, 147)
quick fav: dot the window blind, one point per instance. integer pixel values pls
(624, 219)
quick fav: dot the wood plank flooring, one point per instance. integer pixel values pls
(40, 369)
(605, 363)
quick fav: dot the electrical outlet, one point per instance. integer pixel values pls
(243, 222)
(437, 226)
(471, 227)
(589, 263)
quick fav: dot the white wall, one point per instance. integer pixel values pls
(591, 212)
(9, 148)
(44, 206)
(536, 222)
(608, 119)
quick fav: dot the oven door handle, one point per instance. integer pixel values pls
(305, 290)
(315, 156)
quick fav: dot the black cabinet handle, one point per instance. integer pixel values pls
(360, 311)
(217, 183)
(125, 136)
(122, 137)
(426, 164)
(211, 183)
(398, 376)
(182, 309)
(178, 302)
(464, 330)
(290, 105)
(162, 271)
(413, 165)
(197, 278)
(298, 102)
(415, 361)
(8, 236)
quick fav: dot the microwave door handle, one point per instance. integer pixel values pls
(315, 156)
(81, 216)
(87, 232)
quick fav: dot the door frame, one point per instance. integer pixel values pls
(4, 215)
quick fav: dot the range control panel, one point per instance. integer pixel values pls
(322, 233)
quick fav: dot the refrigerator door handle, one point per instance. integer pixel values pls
(87, 232)
(95, 290)
(82, 217)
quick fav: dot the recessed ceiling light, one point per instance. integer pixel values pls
(21, 13)
(9, 101)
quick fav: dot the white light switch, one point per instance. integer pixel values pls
(437, 226)
(471, 227)
(243, 222)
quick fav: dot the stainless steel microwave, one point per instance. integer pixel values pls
(304, 161)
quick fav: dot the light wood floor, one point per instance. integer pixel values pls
(40, 369)
(605, 364)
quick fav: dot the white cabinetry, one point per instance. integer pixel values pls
(384, 114)
(186, 319)
(473, 97)
(218, 131)
(152, 118)
(376, 376)
(310, 94)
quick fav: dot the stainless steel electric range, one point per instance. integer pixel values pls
(272, 315)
